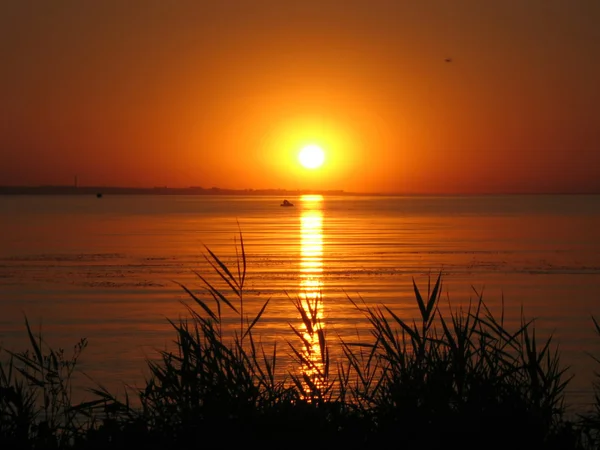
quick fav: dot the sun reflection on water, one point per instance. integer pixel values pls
(310, 296)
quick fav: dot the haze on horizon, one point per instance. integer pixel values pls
(225, 93)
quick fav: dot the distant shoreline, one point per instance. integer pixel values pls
(163, 190)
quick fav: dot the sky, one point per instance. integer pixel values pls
(427, 96)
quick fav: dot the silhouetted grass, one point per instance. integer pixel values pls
(463, 379)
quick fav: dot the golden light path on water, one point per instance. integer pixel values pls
(311, 285)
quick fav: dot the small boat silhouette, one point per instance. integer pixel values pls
(287, 203)
(99, 195)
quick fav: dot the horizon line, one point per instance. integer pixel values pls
(158, 189)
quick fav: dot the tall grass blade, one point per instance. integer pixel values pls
(34, 343)
(432, 299)
(203, 305)
(241, 276)
(217, 295)
(420, 301)
(229, 279)
(412, 333)
(256, 319)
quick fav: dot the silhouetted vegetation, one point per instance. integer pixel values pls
(463, 380)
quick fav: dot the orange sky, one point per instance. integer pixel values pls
(224, 93)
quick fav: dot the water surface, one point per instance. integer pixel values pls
(107, 269)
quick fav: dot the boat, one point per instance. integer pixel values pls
(287, 203)
(99, 195)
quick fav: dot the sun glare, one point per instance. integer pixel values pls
(311, 156)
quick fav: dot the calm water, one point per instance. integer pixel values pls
(106, 269)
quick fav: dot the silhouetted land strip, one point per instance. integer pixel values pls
(196, 190)
(460, 380)
(160, 190)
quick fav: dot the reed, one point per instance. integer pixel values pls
(449, 375)
(462, 378)
(36, 390)
(591, 420)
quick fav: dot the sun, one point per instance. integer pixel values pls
(311, 156)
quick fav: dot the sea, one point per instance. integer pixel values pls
(113, 269)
